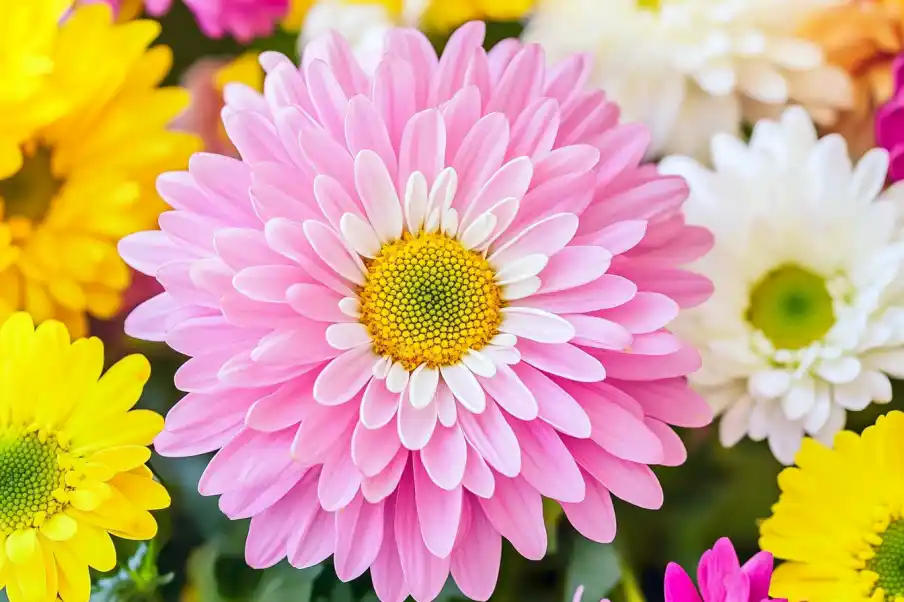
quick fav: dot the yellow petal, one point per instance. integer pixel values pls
(16, 334)
(10, 158)
(93, 546)
(144, 493)
(32, 576)
(74, 579)
(21, 545)
(138, 427)
(123, 458)
(50, 566)
(59, 527)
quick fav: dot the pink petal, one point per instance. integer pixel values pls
(242, 311)
(460, 114)
(672, 401)
(148, 320)
(331, 249)
(563, 360)
(591, 331)
(250, 501)
(547, 464)
(556, 407)
(378, 195)
(634, 366)
(516, 511)
(463, 384)
(605, 292)
(329, 99)
(424, 572)
(678, 585)
(646, 312)
(454, 62)
(673, 451)
(373, 450)
(266, 544)
(334, 201)
(521, 82)
(634, 483)
(316, 302)
(316, 545)
(414, 48)
(379, 487)
(491, 436)
(339, 481)
(276, 193)
(480, 155)
(686, 288)
(759, 570)
(510, 393)
(254, 137)
(534, 133)
(147, 251)
(511, 181)
(289, 239)
(445, 457)
(365, 129)
(416, 425)
(617, 238)
(546, 237)
(562, 161)
(359, 537)
(334, 50)
(304, 344)
(423, 147)
(536, 325)
(379, 405)
(478, 478)
(594, 516)
(574, 266)
(286, 406)
(345, 376)
(439, 512)
(393, 81)
(476, 559)
(567, 79)
(618, 431)
(320, 431)
(386, 570)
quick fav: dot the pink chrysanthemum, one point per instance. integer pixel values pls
(721, 578)
(890, 125)
(400, 306)
(242, 19)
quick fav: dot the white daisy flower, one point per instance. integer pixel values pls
(692, 68)
(807, 319)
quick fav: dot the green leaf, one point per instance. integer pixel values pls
(552, 514)
(136, 580)
(594, 566)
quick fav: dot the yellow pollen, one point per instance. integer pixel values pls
(428, 300)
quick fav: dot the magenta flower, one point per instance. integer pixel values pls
(721, 577)
(242, 19)
(401, 303)
(890, 125)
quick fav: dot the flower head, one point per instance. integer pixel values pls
(692, 68)
(807, 315)
(74, 185)
(721, 577)
(890, 127)
(400, 303)
(862, 37)
(72, 456)
(839, 523)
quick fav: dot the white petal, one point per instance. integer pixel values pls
(443, 191)
(522, 269)
(799, 399)
(381, 368)
(431, 224)
(869, 176)
(835, 423)
(879, 386)
(350, 306)
(733, 425)
(784, 441)
(330, 248)
(504, 340)
(479, 364)
(359, 235)
(416, 201)
(521, 289)
(505, 212)
(855, 395)
(841, 370)
(536, 325)
(477, 233)
(463, 384)
(449, 222)
(422, 386)
(822, 406)
(502, 355)
(397, 379)
(347, 335)
(445, 405)
(769, 384)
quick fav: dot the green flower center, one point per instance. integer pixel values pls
(31, 190)
(653, 5)
(428, 300)
(792, 307)
(30, 474)
(888, 562)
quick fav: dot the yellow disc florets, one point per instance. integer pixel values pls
(428, 300)
(33, 473)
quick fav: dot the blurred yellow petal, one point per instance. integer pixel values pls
(59, 527)
(21, 545)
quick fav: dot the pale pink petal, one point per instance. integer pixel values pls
(378, 487)
(320, 430)
(445, 456)
(534, 133)
(478, 478)
(616, 238)
(284, 407)
(546, 237)
(516, 511)
(511, 181)
(424, 572)
(379, 196)
(373, 450)
(594, 516)
(480, 155)
(511, 393)
(416, 425)
(574, 266)
(556, 407)
(339, 481)
(365, 130)
(333, 252)
(646, 312)
(492, 436)
(317, 543)
(345, 376)
(547, 464)
(605, 292)
(673, 450)
(476, 559)
(591, 331)
(423, 147)
(632, 482)
(379, 405)
(464, 386)
(563, 360)
(386, 570)
(316, 302)
(439, 512)
(359, 537)
(536, 325)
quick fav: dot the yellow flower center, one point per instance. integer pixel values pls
(27, 195)
(428, 300)
(792, 307)
(887, 566)
(653, 5)
(32, 479)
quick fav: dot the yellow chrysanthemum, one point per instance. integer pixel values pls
(446, 15)
(863, 37)
(839, 523)
(75, 184)
(72, 460)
